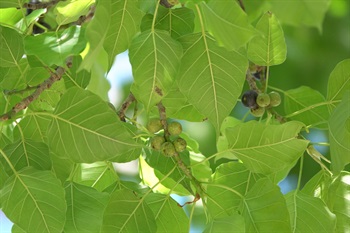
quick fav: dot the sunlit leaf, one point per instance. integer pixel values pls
(126, 212)
(339, 134)
(11, 3)
(34, 200)
(225, 20)
(232, 224)
(264, 209)
(265, 148)
(85, 129)
(52, 48)
(75, 78)
(154, 56)
(85, 207)
(211, 77)
(11, 47)
(124, 24)
(33, 127)
(70, 11)
(309, 214)
(269, 48)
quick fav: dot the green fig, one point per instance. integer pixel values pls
(258, 112)
(174, 128)
(180, 144)
(154, 125)
(263, 100)
(275, 99)
(157, 141)
(168, 149)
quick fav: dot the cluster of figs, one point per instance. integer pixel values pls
(171, 145)
(258, 102)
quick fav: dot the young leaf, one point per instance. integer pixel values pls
(211, 77)
(339, 82)
(34, 200)
(69, 11)
(301, 12)
(264, 209)
(231, 181)
(11, 47)
(85, 207)
(270, 47)
(309, 214)
(339, 134)
(178, 21)
(169, 217)
(225, 20)
(52, 48)
(125, 21)
(85, 129)
(232, 224)
(126, 212)
(265, 148)
(299, 99)
(154, 56)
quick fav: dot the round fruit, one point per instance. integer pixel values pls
(174, 128)
(154, 125)
(249, 99)
(168, 149)
(275, 99)
(263, 100)
(157, 141)
(180, 144)
(258, 112)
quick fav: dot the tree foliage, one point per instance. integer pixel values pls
(192, 61)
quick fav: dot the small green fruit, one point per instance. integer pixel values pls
(157, 141)
(154, 125)
(180, 144)
(263, 100)
(249, 99)
(275, 99)
(258, 112)
(168, 149)
(174, 128)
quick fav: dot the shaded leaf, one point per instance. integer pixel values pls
(154, 57)
(85, 129)
(211, 77)
(232, 224)
(33, 126)
(269, 48)
(75, 78)
(34, 200)
(127, 213)
(11, 47)
(309, 214)
(11, 3)
(85, 207)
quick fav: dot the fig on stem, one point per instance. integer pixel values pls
(275, 99)
(174, 128)
(168, 149)
(157, 141)
(180, 144)
(154, 125)
(257, 112)
(263, 100)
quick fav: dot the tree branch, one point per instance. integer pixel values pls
(40, 5)
(125, 106)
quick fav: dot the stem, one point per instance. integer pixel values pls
(300, 172)
(162, 117)
(251, 82)
(311, 107)
(266, 83)
(155, 15)
(126, 104)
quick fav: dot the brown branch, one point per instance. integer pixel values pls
(40, 5)
(24, 103)
(251, 82)
(162, 117)
(125, 106)
(165, 3)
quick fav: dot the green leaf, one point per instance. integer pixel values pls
(309, 214)
(231, 181)
(125, 212)
(265, 148)
(75, 78)
(85, 207)
(85, 129)
(26, 153)
(340, 202)
(200, 167)
(301, 12)
(339, 134)
(225, 20)
(11, 3)
(96, 33)
(232, 224)
(11, 47)
(62, 167)
(318, 185)
(33, 127)
(264, 208)
(299, 100)
(98, 175)
(69, 11)
(26, 22)
(125, 23)
(10, 16)
(52, 48)
(13, 78)
(270, 47)
(211, 77)
(34, 200)
(338, 82)
(178, 21)
(168, 215)
(154, 57)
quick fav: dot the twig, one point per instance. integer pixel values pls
(251, 82)
(125, 106)
(40, 5)
(162, 117)
(23, 104)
